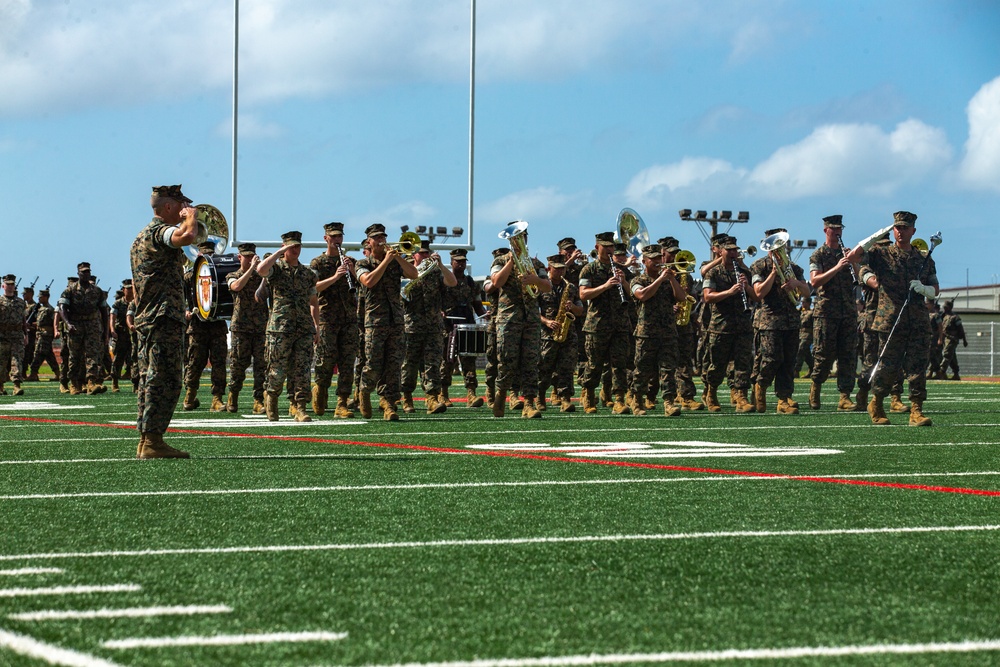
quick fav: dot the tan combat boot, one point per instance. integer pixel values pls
(366, 405)
(917, 417)
(142, 443)
(435, 405)
(516, 403)
(271, 406)
(530, 410)
(540, 403)
(292, 409)
(604, 396)
(389, 413)
(877, 411)
(785, 408)
(649, 403)
(691, 404)
(760, 398)
(896, 404)
(566, 405)
(443, 398)
(554, 396)
(845, 404)
(64, 388)
(792, 402)
(488, 397)
(742, 404)
(637, 408)
(587, 398)
(861, 400)
(301, 415)
(217, 404)
(712, 399)
(499, 403)
(407, 403)
(191, 401)
(619, 407)
(471, 400)
(814, 395)
(671, 409)
(732, 396)
(342, 411)
(114, 385)
(354, 402)
(320, 400)
(233, 402)
(153, 447)
(258, 407)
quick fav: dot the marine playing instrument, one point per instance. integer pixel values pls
(212, 226)
(631, 231)
(564, 318)
(684, 264)
(409, 243)
(516, 234)
(776, 245)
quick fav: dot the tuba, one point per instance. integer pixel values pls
(212, 226)
(631, 231)
(515, 233)
(777, 246)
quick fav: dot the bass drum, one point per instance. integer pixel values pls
(212, 298)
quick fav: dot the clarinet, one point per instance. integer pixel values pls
(350, 280)
(743, 290)
(617, 272)
(843, 249)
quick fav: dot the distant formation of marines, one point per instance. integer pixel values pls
(630, 331)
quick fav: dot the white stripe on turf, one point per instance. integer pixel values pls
(718, 656)
(434, 544)
(67, 590)
(52, 655)
(224, 457)
(30, 570)
(226, 640)
(131, 612)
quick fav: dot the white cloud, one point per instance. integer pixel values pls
(980, 167)
(251, 127)
(543, 203)
(650, 187)
(406, 213)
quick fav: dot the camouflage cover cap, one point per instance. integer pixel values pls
(247, 249)
(206, 248)
(500, 251)
(291, 238)
(621, 249)
(425, 245)
(566, 243)
(170, 192)
(669, 243)
(83, 266)
(556, 261)
(652, 251)
(9, 279)
(119, 294)
(43, 292)
(459, 253)
(334, 228)
(605, 238)
(376, 229)
(730, 243)
(904, 219)
(719, 240)
(127, 282)
(72, 279)
(833, 221)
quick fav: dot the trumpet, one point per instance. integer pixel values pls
(515, 233)
(408, 244)
(750, 251)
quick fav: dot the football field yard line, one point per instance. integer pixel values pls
(719, 656)
(24, 571)
(226, 640)
(68, 590)
(130, 612)
(53, 655)
(436, 544)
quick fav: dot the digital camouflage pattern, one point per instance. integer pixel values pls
(84, 305)
(776, 311)
(247, 334)
(11, 338)
(338, 328)
(805, 340)
(122, 337)
(206, 343)
(836, 297)
(43, 352)
(607, 312)
(249, 315)
(337, 304)
(954, 332)
(424, 329)
(157, 276)
(557, 360)
(728, 315)
(383, 302)
(458, 303)
(519, 332)
(290, 330)
(655, 340)
(384, 337)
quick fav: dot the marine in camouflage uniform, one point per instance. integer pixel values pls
(31, 324)
(607, 326)
(247, 330)
(805, 337)
(777, 323)
(903, 275)
(382, 275)
(359, 364)
(121, 334)
(575, 261)
(12, 330)
(519, 331)
(462, 303)
(937, 342)
(624, 262)
(730, 332)
(558, 359)
(338, 322)
(870, 346)
(680, 385)
(84, 308)
(206, 344)
(64, 343)
(493, 296)
(423, 303)
(157, 261)
(291, 327)
(45, 317)
(952, 331)
(656, 291)
(835, 316)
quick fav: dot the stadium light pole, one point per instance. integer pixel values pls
(713, 221)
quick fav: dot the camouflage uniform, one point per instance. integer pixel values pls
(558, 360)
(247, 331)
(607, 329)
(869, 336)
(908, 350)
(730, 333)
(31, 319)
(11, 339)
(384, 339)
(835, 322)
(424, 328)
(954, 332)
(777, 323)
(290, 330)
(805, 341)
(158, 279)
(123, 339)
(457, 303)
(937, 345)
(655, 339)
(490, 373)
(84, 305)
(683, 379)
(519, 331)
(206, 343)
(134, 340)
(45, 319)
(338, 328)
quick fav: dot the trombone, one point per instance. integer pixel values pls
(683, 262)
(408, 244)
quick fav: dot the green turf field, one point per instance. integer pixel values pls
(464, 539)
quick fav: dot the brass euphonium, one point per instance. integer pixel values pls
(515, 234)
(777, 246)
(212, 226)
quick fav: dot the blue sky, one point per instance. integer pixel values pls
(358, 111)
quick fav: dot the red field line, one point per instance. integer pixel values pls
(539, 457)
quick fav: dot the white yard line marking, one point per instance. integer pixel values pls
(68, 590)
(36, 406)
(132, 612)
(30, 570)
(718, 656)
(338, 455)
(250, 423)
(53, 655)
(434, 544)
(226, 640)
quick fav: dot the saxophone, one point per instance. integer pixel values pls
(564, 318)
(684, 314)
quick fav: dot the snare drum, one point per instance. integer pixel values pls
(470, 339)
(213, 300)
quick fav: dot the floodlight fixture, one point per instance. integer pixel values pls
(701, 215)
(726, 216)
(442, 231)
(457, 231)
(797, 243)
(685, 213)
(421, 229)
(404, 228)
(812, 243)
(743, 216)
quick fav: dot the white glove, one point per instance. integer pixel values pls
(923, 290)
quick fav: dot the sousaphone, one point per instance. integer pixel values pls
(631, 231)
